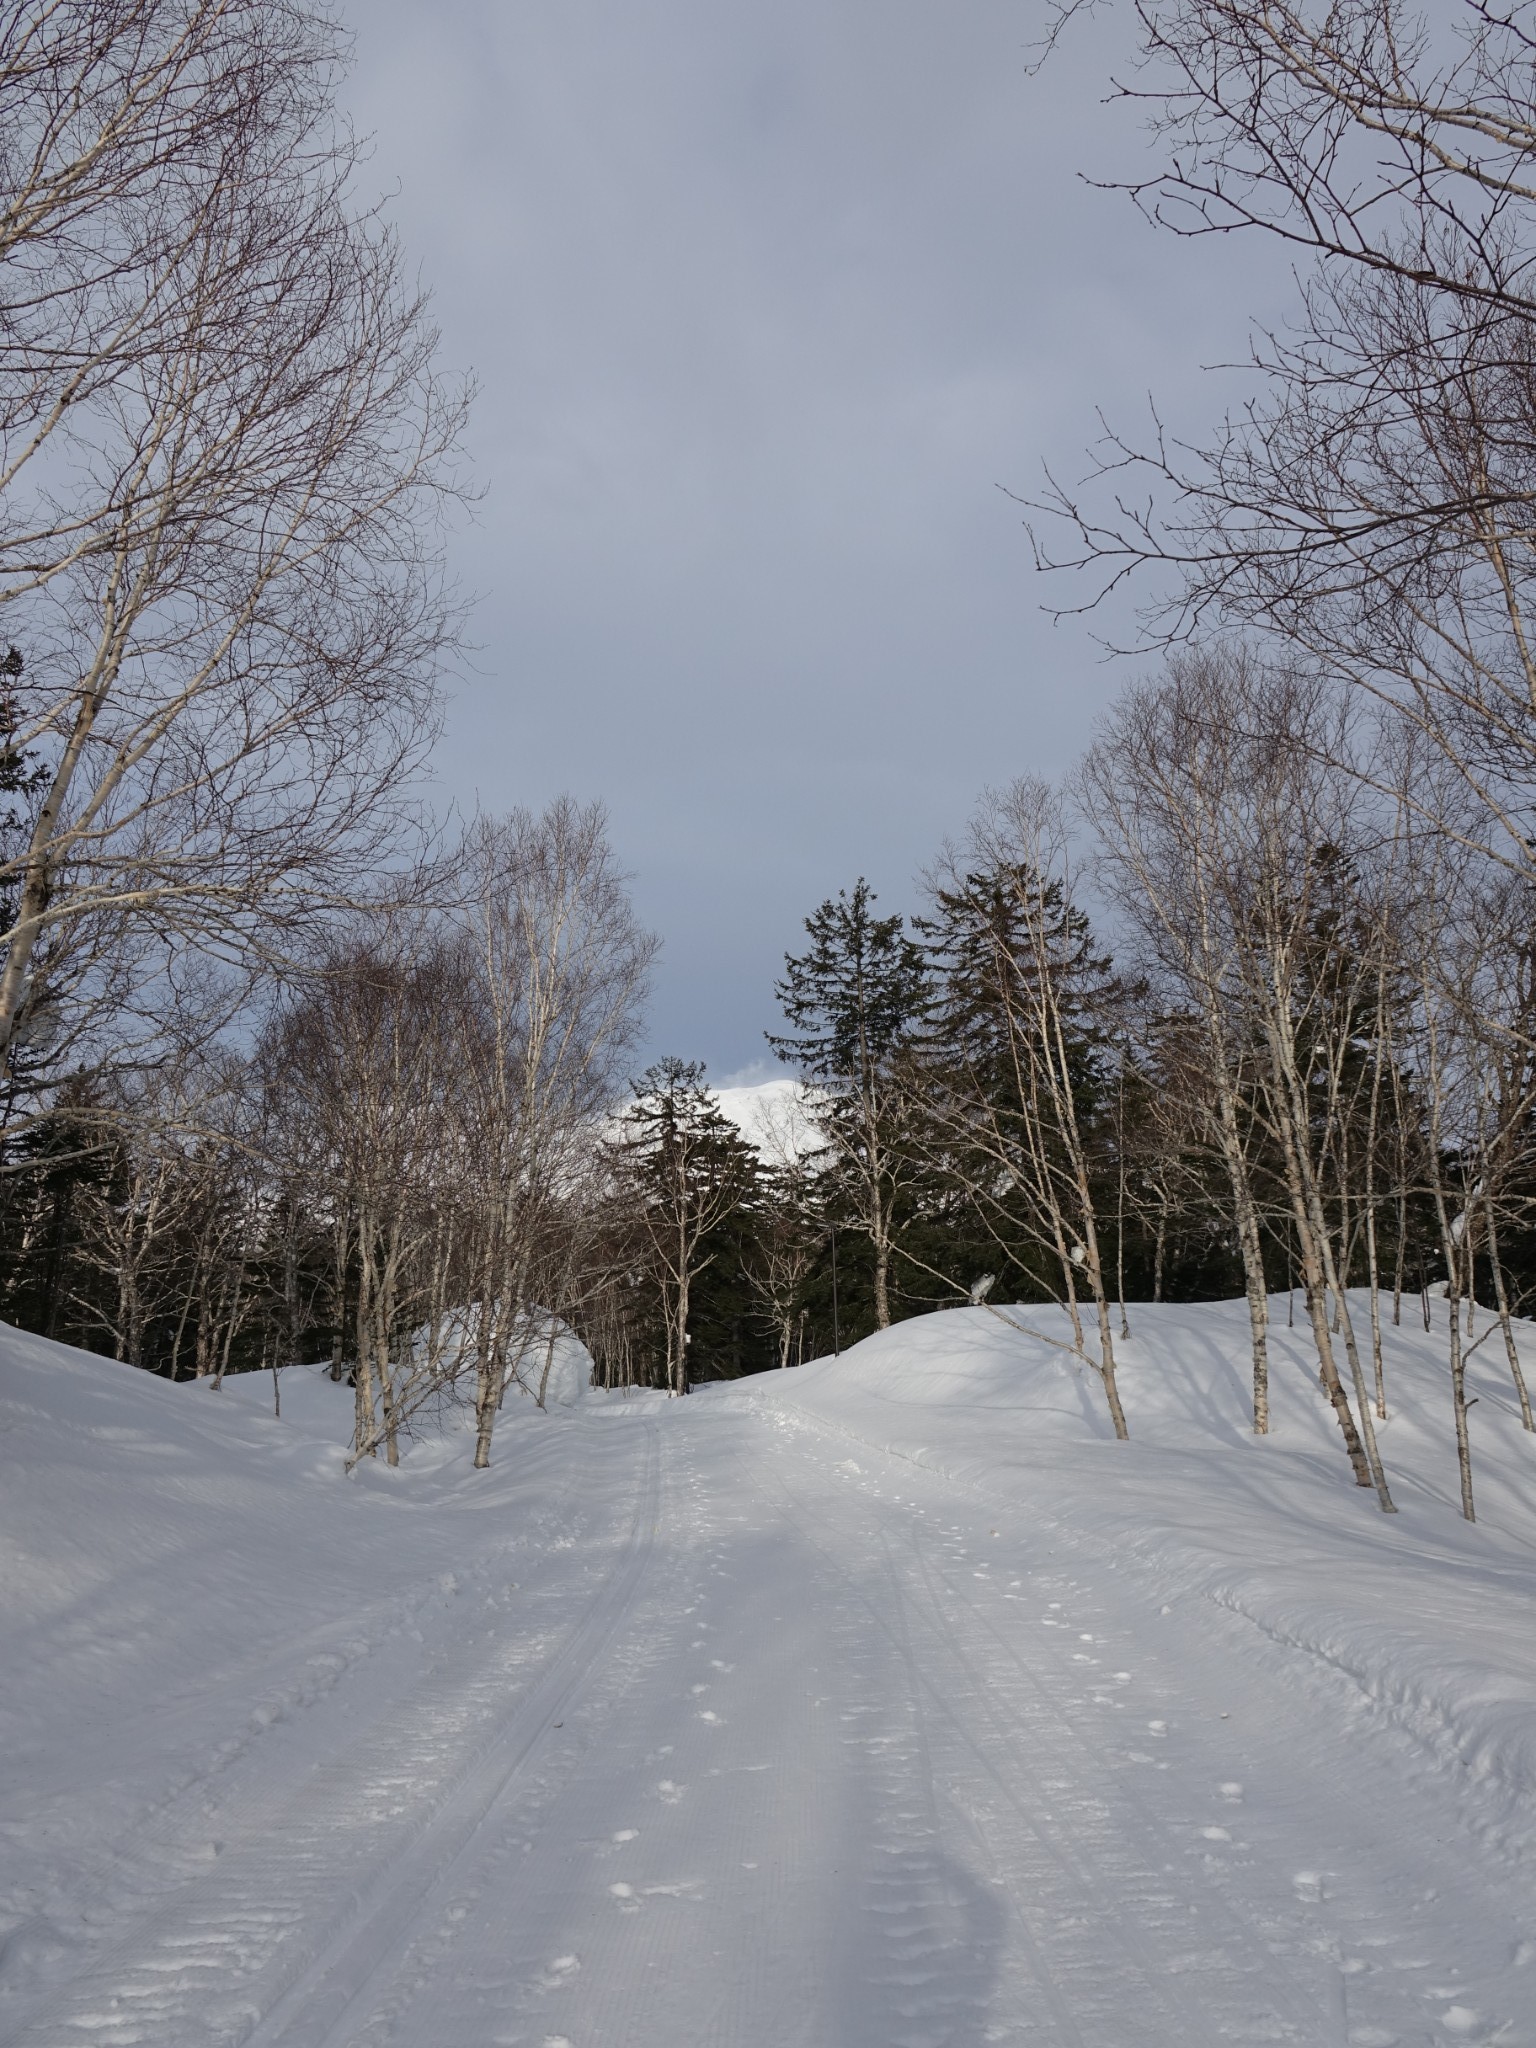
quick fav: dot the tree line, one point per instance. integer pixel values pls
(1241, 1007)
(1305, 1069)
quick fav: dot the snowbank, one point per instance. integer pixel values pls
(1424, 1619)
(180, 1575)
(555, 1375)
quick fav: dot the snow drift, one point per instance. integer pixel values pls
(1427, 1617)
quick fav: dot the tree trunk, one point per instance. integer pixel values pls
(489, 1386)
(1397, 1264)
(1362, 1398)
(364, 1443)
(1459, 1379)
(1373, 1274)
(1251, 1245)
(1315, 1287)
(680, 1370)
(879, 1237)
(1506, 1323)
(1107, 1371)
(229, 1330)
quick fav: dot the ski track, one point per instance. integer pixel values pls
(289, 1895)
(786, 1753)
(353, 1675)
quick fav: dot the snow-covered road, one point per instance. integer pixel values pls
(734, 1734)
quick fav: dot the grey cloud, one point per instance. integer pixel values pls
(765, 302)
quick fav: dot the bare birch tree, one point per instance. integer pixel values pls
(222, 452)
(1373, 503)
(1233, 838)
(1157, 786)
(559, 966)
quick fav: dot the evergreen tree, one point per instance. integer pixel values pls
(690, 1171)
(1010, 962)
(854, 999)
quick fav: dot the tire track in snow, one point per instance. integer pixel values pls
(901, 1634)
(1384, 1949)
(1308, 2020)
(714, 1914)
(1365, 1954)
(331, 1999)
(1032, 1941)
(1167, 2008)
(352, 1669)
(260, 1949)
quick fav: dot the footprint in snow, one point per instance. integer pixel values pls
(559, 1972)
(625, 1835)
(1232, 1791)
(1461, 2020)
(668, 1791)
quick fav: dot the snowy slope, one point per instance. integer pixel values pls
(1428, 1618)
(884, 1704)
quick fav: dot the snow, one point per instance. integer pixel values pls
(888, 1703)
(774, 1117)
(560, 1372)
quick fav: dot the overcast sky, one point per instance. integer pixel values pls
(766, 300)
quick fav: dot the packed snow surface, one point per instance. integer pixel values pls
(889, 1703)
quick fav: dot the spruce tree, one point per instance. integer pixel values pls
(690, 1171)
(854, 998)
(993, 939)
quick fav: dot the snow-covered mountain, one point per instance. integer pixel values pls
(774, 1117)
